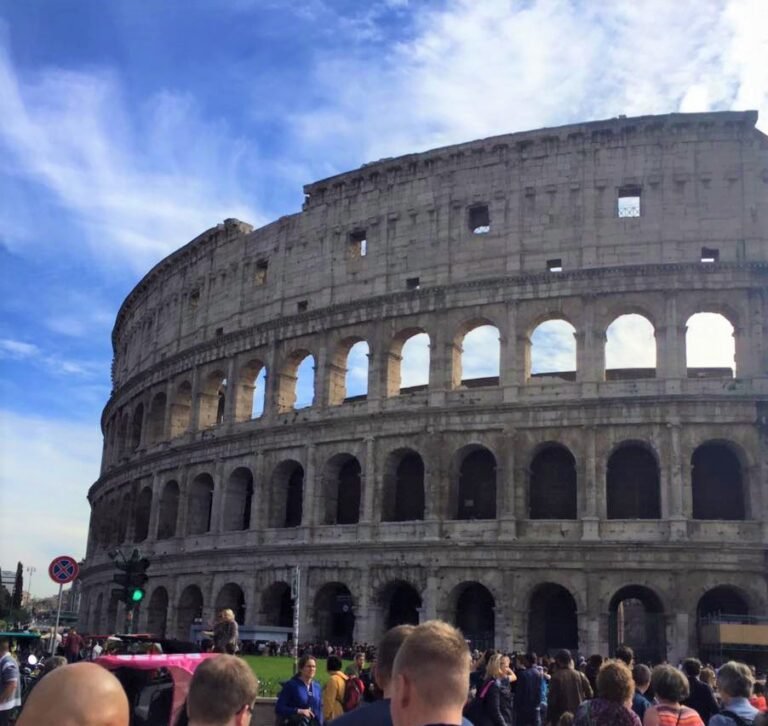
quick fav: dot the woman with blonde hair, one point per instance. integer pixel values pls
(225, 633)
(486, 708)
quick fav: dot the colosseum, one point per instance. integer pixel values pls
(535, 508)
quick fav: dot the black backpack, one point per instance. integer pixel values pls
(738, 720)
(475, 709)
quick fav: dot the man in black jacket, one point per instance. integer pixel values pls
(701, 699)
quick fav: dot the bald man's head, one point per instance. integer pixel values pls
(81, 694)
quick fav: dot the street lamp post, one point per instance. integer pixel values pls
(31, 570)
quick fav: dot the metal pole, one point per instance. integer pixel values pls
(296, 602)
(56, 628)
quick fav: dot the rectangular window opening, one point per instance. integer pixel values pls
(412, 283)
(358, 243)
(628, 202)
(219, 332)
(555, 265)
(479, 219)
(710, 255)
(302, 306)
(260, 274)
(194, 299)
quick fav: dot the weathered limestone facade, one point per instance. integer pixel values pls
(225, 504)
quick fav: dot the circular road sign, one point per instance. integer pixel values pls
(63, 569)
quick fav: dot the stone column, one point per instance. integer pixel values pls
(219, 492)
(230, 401)
(272, 382)
(181, 514)
(195, 403)
(511, 360)
(309, 507)
(670, 350)
(369, 480)
(364, 622)
(377, 369)
(429, 600)
(168, 411)
(507, 484)
(321, 374)
(441, 350)
(154, 511)
(260, 500)
(593, 507)
(590, 350)
(675, 495)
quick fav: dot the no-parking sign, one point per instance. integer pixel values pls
(63, 569)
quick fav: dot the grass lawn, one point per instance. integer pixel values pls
(273, 670)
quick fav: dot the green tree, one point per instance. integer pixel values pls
(18, 588)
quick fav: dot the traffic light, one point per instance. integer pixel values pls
(132, 579)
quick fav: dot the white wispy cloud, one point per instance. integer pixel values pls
(139, 181)
(17, 349)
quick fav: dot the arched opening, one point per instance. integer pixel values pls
(716, 483)
(136, 423)
(403, 487)
(231, 597)
(349, 372)
(96, 617)
(181, 410)
(296, 387)
(238, 499)
(212, 400)
(553, 351)
(141, 515)
(123, 444)
(477, 485)
(636, 619)
(477, 356)
(710, 348)
(251, 388)
(334, 614)
(169, 511)
(200, 505)
(277, 605)
(552, 620)
(401, 602)
(157, 612)
(722, 601)
(633, 488)
(630, 348)
(475, 615)
(721, 605)
(553, 488)
(408, 362)
(342, 487)
(287, 495)
(156, 420)
(190, 611)
(122, 521)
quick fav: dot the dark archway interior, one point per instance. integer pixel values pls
(477, 486)
(190, 610)
(552, 620)
(553, 484)
(334, 614)
(239, 496)
(409, 489)
(169, 509)
(716, 481)
(231, 596)
(636, 618)
(200, 505)
(723, 601)
(157, 613)
(278, 605)
(475, 616)
(632, 485)
(136, 424)
(348, 502)
(402, 603)
(294, 498)
(141, 521)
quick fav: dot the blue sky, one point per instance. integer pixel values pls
(127, 128)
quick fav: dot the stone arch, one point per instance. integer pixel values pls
(123, 444)
(723, 600)
(552, 619)
(398, 353)
(474, 614)
(403, 490)
(287, 494)
(200, 504)
(703, 358)
(342, 487)
(334, 614)
(238, 497)
(475, 483)
(250, 390)
(630, 348)
(476, 355)
(157, 612)
(189, 611)
(633, 482)
(231, 597)
(401, 603)
(181, 410)
(289, 397)
(717, 482)
(551, 349)
(636, 618)
(137, 422)
(342, 382)
(169, 510)
(156, 419)
(211, 400)
(122, 522)
(553, 486)
(142, 514)
(277, 605)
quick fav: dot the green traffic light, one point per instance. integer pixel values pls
(137, 595)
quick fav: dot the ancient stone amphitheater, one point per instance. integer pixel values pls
(558, 508)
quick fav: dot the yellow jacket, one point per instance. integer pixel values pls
(333, 695)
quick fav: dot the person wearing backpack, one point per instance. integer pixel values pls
(734, 684)
(486, 707)
(334, 690)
